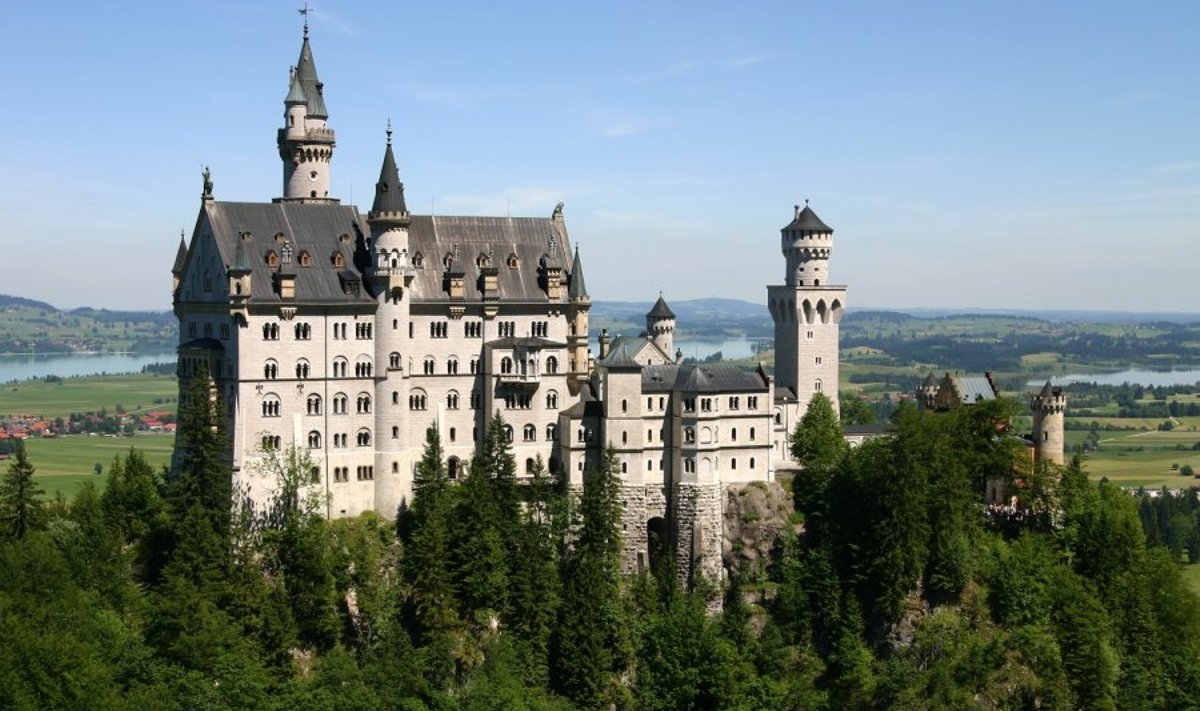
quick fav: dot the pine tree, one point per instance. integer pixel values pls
(20, 497)
(427, 551)
(591, 645)
(817, 443)
(534, 584)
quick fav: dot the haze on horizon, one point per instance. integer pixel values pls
(998, 156)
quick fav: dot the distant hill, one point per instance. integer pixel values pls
(29, 326)
(7, 300)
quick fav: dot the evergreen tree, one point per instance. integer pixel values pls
(535, 584)
(818, 444)
(591, 643)
(427, 551)
(21, 509)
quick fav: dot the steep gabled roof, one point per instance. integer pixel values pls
(295, 92)
(180, 257)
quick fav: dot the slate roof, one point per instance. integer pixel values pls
(577, 287)
(389, 191)
(180, 257)
(807, 221)
(525, 342)
(621, 355)
(309, 227)
(1047, 390)
(295, 92)
(700, 378)
(660, 310)
(526, 237)
(588, 406)
(974, 388)
(306, 72)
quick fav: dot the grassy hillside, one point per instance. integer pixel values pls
(33, 327)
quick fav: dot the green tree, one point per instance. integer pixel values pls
(818, 444)
(591, 643)
(534, 581)
(20, 497)
(855, 410)
(427, 550)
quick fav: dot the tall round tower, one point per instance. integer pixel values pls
(1049, 411)
(660, 326)
(806, 310)
(390, 276)
(305, 141)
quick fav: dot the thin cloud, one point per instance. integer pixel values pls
(746, 61)
(335, 22)
(1183, 166)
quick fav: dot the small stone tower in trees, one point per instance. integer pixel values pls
(1049, 406)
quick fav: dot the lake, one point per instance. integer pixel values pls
(1133, 376)
(27, 366)
(732, 348)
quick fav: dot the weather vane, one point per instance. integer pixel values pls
(304, 11)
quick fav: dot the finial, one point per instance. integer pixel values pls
(304, 11)
(796, 210)
(806, 202)
(180, 233)
(389, 131)
(208, 183)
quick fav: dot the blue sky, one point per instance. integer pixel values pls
(968, 154)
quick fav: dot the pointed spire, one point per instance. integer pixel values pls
(389, 191)
(1047, 390)
(180, 256)
(805, 220)
(295, 90)
(306, 74)
(577, 288)
(241, 258)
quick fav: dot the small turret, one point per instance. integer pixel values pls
(807, 244)
(180, 263)
(660, 326)
(577, 315)
(389, 220)
(1049, 408)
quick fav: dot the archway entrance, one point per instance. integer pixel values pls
(658, 539)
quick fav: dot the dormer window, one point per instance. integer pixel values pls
(337, 260)
(344, 238)
(448, 260)
(272, 259)
(305, 259)
(482, 260)
(418, 261)
(512, 261)
(280, 238)
(287, 253)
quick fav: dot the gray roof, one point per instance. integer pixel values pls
(588, 406)
(315, 228)
(621, 355)
(527, 238)
(974, 388)
(577, 287)
(524, 341)
(295, 92)
(389, 191)
(929, 381)
(180, 257)
(807, 221)
(700, 378)
(241, 259)
(1047, 390)
(306, 72)
(660, 310)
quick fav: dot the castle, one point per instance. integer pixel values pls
(348, 335)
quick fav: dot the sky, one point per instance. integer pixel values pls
(996, 155)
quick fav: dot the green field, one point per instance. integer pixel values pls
(135, 392)
(63, 463)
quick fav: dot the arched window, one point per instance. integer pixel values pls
(429, 366)
(272, 259)
(305, 259)
(394, 361)
(751, 462)
(733, 434)
(314, 440)
(751, 434)
(363, 438)
(302, 369)
(817, 386)
(529, 433)
(624, 406)
(363, 403)
(341, 404)
(418, 400)
(270, 405)
(453, 465)
(313, 404)
(551, 432)
(452, 400)
(395, 397)
(270, 332)
(552, 365)
(452, 366)
(340, 366)
(508, 433)
(362, 367)
(530, 465)
(506, 365)
(418, 260)
(552, 400)
(395, 432)
(271, 369)
(474, 366)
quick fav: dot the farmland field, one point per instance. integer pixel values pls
(63, 463)
(135, 392)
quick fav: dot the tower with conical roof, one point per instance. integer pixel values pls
(1049, 406)
(579, 305)
(806, 309)
(305, 141)
(660, 326)
(391, 276)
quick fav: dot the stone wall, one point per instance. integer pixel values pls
(697, 516)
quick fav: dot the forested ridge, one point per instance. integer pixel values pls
(900, 590)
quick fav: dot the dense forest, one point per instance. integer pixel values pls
(899, 589)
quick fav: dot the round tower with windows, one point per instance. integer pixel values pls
(306, 141)
(1049, 408)
(660, 326)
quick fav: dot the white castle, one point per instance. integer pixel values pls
(348, 335)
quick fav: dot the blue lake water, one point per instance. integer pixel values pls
(24, 367)
(730, 348)
(1133, 376)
